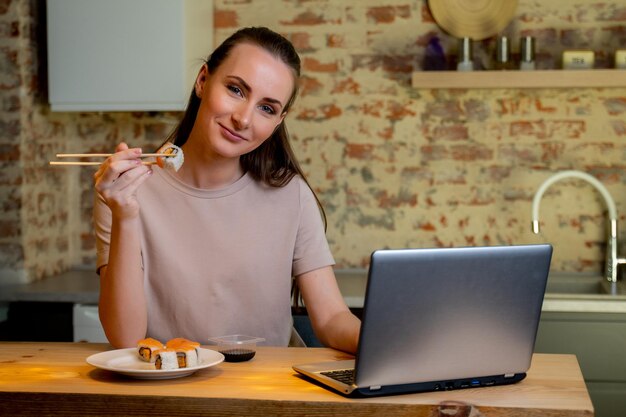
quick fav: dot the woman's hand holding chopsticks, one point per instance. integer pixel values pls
(119, 177)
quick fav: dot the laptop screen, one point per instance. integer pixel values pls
(450, 313)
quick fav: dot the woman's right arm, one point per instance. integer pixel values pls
(122, 305)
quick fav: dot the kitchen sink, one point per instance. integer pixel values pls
(583, 284)
(575, 284)
(560, 286)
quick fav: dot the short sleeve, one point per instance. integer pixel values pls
(311, 249)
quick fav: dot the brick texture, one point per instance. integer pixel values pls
(393, 166)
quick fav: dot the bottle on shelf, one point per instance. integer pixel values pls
(434, 56)
(503, 54)
(465, 55)
(527, 53)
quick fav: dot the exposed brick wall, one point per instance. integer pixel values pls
(398, 167)
(12, 25)
(46, 211)
(394, 166)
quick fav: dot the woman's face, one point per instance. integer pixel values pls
(243, 102)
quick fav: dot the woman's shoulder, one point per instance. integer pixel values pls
(296, 190)
(294, 183)
(303, 190)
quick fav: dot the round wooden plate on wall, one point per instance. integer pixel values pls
(475, 19)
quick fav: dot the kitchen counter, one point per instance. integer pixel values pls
(74, 286)
(82, 286)
(53, 378)
(581, 293)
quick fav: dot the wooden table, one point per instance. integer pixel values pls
(54, 379)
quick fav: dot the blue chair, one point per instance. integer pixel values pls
(302, 324)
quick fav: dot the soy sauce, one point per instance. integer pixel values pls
(237, 355)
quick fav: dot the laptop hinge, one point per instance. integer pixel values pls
(375, 387)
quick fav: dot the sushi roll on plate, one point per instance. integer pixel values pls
(166, 359)
(187, 356)
(146, 349)
(181, 341)
(186, 351)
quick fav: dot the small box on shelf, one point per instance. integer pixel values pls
(620, 59)
(578, 60)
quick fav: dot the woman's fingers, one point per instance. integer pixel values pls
(126, 186)
(123, 160)
(133, 186)
(122, 146)
(121, 152)
(129, 176)
(120, 196)
(118, 179)
(112, 171)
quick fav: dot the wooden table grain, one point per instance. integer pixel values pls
(54, 379)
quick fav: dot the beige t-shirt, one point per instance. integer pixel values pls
(220, 262)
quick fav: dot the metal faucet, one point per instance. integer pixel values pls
(612, 261)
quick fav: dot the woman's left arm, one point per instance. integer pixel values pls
(333, 322)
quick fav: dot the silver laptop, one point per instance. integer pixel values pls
(440, 319)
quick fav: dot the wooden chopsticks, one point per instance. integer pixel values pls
(101, 155)
(105, 155)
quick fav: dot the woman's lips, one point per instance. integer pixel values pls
(230, 135)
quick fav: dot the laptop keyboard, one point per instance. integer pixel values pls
(342, 375)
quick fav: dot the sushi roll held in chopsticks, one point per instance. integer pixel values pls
(172, 163)
(147, 349)
(168, 157)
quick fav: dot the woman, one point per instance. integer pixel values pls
(210, 249)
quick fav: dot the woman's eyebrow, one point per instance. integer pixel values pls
(247, 87)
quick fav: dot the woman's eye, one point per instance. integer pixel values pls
(267, 109)
(235, 89)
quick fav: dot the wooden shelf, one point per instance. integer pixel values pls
(598, 78)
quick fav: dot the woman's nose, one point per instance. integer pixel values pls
(242, 116)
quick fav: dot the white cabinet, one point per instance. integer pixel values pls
(125, 55)
(86, 323)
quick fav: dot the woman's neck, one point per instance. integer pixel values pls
(205, 170)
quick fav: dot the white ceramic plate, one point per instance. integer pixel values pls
(127, 362)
